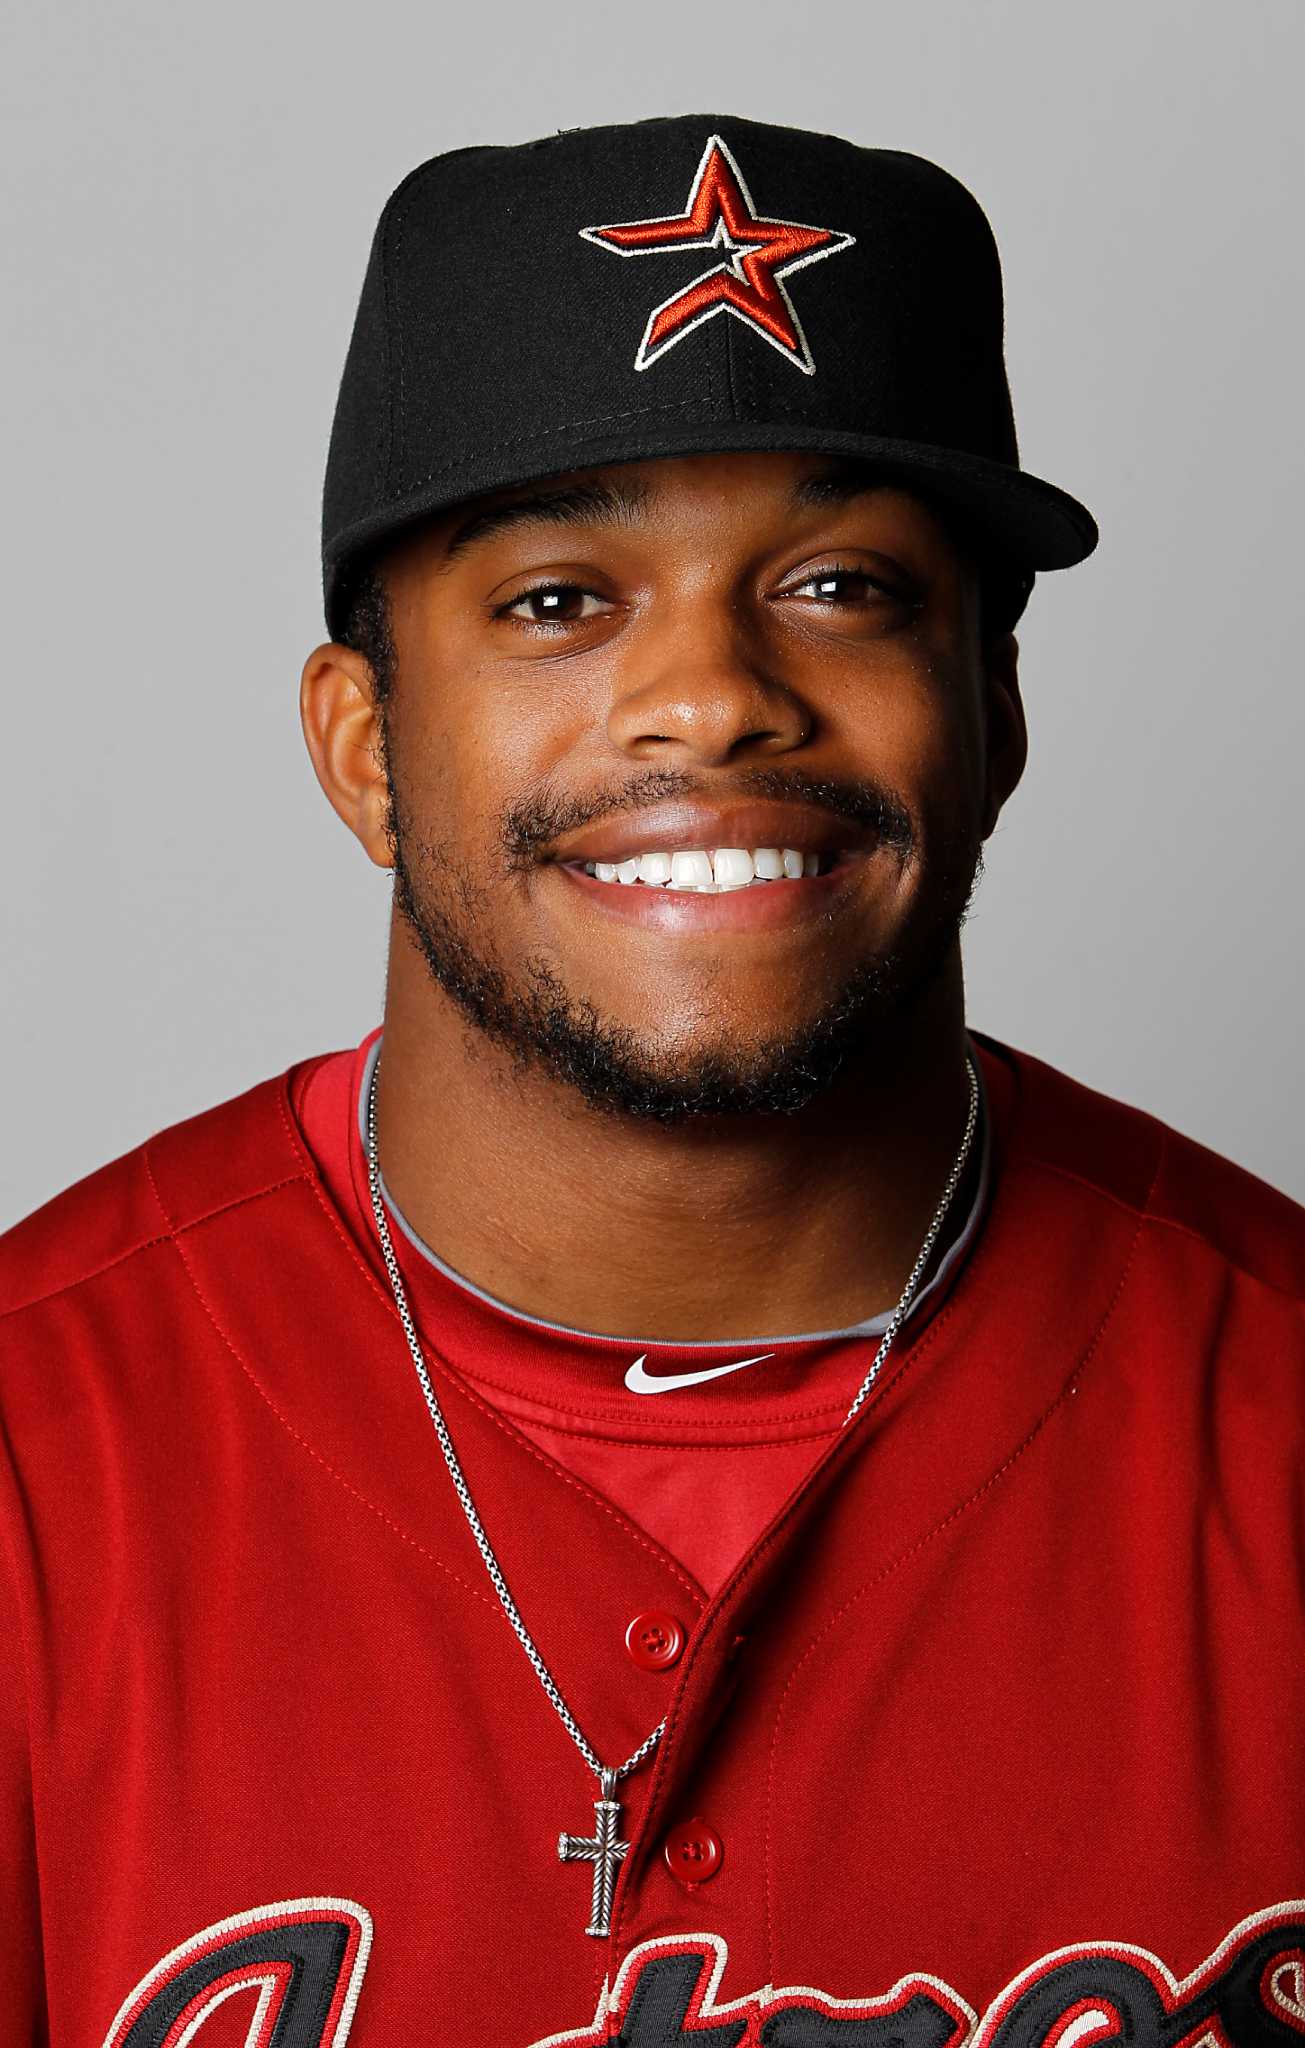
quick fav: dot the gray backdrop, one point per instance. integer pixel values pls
(189, 194)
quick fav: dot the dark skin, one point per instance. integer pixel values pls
(686, 653)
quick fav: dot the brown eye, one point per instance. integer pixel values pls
(841, 586)
(552, 604)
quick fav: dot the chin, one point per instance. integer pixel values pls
(710, 1074)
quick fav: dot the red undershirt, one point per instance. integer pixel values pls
(701, 1469)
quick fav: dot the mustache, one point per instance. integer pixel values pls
(541, 818)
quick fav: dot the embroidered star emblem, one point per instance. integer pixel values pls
(757, 254)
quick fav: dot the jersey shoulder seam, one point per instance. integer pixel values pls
(1155, 1217)
(144, 1244)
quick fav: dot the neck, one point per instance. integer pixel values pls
(720, 1228)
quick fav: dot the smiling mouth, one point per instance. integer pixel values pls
(711, 871)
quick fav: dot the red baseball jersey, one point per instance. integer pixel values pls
(994, 1734)
(701, 1464)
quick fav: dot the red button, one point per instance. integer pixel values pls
(693, 1852)
(655, 1640)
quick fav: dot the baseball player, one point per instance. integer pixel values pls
(678, 1492)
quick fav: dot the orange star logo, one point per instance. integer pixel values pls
(756, 255)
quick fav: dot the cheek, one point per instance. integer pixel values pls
(945, 739)
(520, 735)
(447, 743)
(476, 744)
(914, 726)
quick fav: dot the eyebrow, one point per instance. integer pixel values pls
(618, 503)
(623, 500)
(838, 484)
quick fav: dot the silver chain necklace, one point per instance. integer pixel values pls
(604, 1848)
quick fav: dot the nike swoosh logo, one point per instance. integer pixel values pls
(640, 1382)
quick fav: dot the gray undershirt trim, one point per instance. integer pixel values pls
(873, 1326)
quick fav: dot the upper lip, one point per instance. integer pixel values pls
(672, 828)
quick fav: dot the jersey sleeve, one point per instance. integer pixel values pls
(23, 2015)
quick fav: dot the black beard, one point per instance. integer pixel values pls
(545, 1028)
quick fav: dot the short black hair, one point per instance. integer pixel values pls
(367, 622)
(367, 625)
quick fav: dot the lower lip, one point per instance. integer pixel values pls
(762, 906)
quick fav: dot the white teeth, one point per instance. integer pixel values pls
(690, 871)
(732, 867)
(711, 872)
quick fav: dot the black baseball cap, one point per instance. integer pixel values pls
(698, 284)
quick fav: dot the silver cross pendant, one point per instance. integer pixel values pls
(603, 1849)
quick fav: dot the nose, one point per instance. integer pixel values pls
(700, 685)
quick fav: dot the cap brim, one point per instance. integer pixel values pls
(1016, 517)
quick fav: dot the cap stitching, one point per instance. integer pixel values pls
(390, 344)
(402, 205)
(391, 331)
(731, 390)
(398, 384)
(526, 440)
(922, 457)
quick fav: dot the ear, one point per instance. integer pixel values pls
(1007, 733)
(342, 727)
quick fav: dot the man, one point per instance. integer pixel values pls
(677, 1492)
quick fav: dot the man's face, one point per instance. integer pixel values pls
(749, 653)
